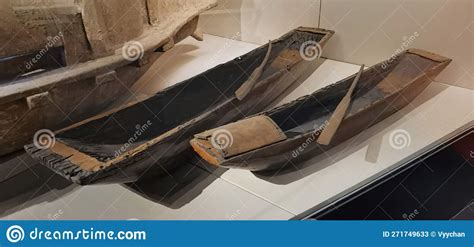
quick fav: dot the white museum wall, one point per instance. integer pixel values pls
(367, 31)
(257, 21)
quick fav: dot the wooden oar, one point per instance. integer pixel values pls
(336, 118)
(253, 78)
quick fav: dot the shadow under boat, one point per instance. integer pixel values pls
(14, 163)
(178, 187)
(30, 184)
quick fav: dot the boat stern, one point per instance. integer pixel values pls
(442, 61)
(74, 165)
(429, 55)
(327, 34)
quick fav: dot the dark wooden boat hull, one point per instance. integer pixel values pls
(401, 80)
(86, 152)
(95, 72)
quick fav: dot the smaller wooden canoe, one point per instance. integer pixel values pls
(290, 132)
(122, 144)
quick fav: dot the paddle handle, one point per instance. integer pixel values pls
(250, 83)
(336, 118)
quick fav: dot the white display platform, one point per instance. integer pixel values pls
(202, 192)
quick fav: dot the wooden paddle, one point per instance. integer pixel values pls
(336, 118)
(253, 78)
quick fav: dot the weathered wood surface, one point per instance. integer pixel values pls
(95, 71)
(106, 148)
(338, 115)
(20, 33)
(381, 91)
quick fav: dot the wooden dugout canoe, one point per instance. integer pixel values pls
(120, 145)
(290, 132)
(72, 59)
